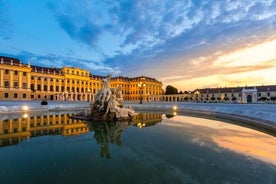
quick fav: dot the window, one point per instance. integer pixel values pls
(45, 79)
(15, 95)
(268, 94)
(6, 84)
(38, 96)
(32, 95)
(39, 87)
(38, 78)
(24, 85)
(45, 88)
(7, 71)
(32, 86)
(57, 88)
(24, 73)
(24, 95)
(15, 72)
(6, 95)
(15, 84)
(56, 80)
(51, 88)
(32, 77)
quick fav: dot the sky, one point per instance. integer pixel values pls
(188, 44)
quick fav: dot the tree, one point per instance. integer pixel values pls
(181, 92)
(170, 90)
(226, 98)
(263, 98)
(273, 98)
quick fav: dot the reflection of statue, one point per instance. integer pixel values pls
(106, 133)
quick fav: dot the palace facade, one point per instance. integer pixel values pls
(20, 81)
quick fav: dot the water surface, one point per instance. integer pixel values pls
(153, 148)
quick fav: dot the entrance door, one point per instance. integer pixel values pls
(249, 98)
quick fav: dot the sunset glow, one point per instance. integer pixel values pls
(187, 44)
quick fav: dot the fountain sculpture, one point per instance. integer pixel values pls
(108, 104)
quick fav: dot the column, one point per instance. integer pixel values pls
(42, 83)
(11, 79)
(35, 83)
(1, 77)
(28, 80)
(48, 84)
(59, 86)
(70, 85)
(20, 80)
(54, 85)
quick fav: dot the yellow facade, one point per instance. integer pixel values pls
(20, 81)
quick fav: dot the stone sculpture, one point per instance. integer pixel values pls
(108, 103)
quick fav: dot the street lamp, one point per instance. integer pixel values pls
(141, 85)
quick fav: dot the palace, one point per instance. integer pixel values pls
(20, 81)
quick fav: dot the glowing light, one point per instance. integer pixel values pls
(25, 108)
(174, 113)
(25, 115)
(175, 107)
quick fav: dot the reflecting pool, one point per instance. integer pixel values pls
(152, 148)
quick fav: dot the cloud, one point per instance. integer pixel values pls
(57, 61)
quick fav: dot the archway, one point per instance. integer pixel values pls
(249, 98)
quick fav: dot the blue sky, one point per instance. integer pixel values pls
(188, 44)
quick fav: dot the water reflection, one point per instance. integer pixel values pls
(242, 140)
(12, 131)
(156, 149)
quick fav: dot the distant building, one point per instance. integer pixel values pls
(247, 94)
(20, 81)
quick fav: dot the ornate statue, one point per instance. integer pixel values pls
(108, 103)
(119, 94)
(105, 91)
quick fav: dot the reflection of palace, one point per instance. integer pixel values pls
(20, 81)
(14, 130)
(146, 119)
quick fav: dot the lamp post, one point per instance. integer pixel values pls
(141, 85)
